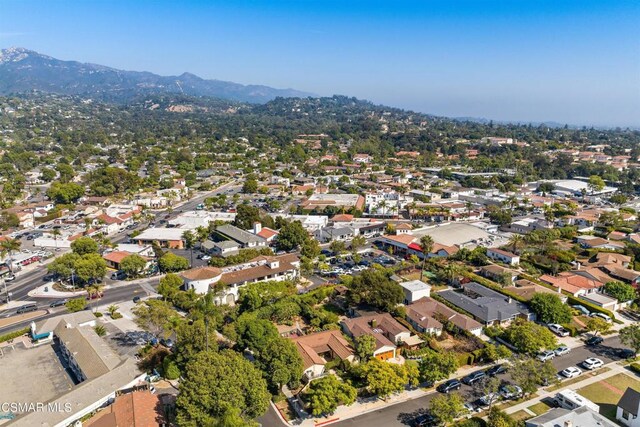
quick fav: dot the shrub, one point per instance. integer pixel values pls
(15, 334)
(573, 330)
(100, 330)
(635, 367)
(97, 314)
(77, 304)
(170, 369)
(116, 315)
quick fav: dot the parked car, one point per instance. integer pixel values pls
(510, 391)
(95, 296)
(58, 303)
(136, 299)
(602, 316)
(562, 350)
(571, 371)
(118, 275)
(558, 330)
(206, 257)
(593, 363)
(625, 353)
(471, 407)
(473, 377)
(496, 370)
(449, 385)
(424, 420)
(167, 343)
(594, 341)
(489, 399)
(26, 308)
(10, 277)
(546, 355)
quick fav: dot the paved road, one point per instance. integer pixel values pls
(121, 293)
(402, 414)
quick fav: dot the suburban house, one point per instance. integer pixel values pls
(263, 268)
(526, 289)
(593, 242)
(114, 259)
(137, 408)
(164, 237)
(244, 238)
(573, 283)
(487, 306)
(503, 256)
(319, 348)
(427, 315)
(499, 274)
(414, 290)
(622, 274)
(223, 248)
(561, 417)
(384, 328)
(628, 408)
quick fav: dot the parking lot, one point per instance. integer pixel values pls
(345, 264)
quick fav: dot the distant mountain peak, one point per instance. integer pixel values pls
(23, 70)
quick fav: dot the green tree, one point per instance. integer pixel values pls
(214, 383)
(384, 379)
(189, 242)
(171, 262)
(170, 369)
(498, 418)
(292, 236)
(447, 407)
(8, 247)
(529, 374)
(529, 337)
(549, 308)
(375, 287)
(84, 245)
(426, 246)
(620, 291)
(435, 366)
(596, 184)
(246, 216)
(154, 316)
(255, 334)
(250, 186)
(169, 286)
(630, 335)
(327, 393)
(337, 247)
(90, 267)
(281, 363)
(65, 193)
(492, 352)
(66, 172)
(133, 265)
(357, 242)
(598, 326)
(76, 304)
(365, 346)
(310, 249)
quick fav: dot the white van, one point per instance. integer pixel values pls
(571, 400)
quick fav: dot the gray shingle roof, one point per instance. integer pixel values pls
(485, 304)
(630, 401)
(239, 235)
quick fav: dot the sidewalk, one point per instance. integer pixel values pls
(363, 406)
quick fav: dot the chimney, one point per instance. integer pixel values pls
(568, 423)
(374, 323)
(257, 227)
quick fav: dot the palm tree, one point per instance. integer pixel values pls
(112, 309)
(516, 241)
(189, 242)
(451, 272)
(56, 234)
(382, 205)
(426, 245)
(207, 307)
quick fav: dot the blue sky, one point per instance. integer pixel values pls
(573, 62)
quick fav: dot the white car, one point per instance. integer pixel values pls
(562, 350)
(206, 257)
(571, 372)
(558, 330)
(592, 363)
(546, 355)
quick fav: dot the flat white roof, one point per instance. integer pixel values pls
(415, 285)
(157, 233)
(455, 233)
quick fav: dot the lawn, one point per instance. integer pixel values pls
(521, 415)
(607, 392)
(539, 408)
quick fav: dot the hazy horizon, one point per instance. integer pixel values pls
(567, 62)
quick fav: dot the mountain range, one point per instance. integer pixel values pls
(23, 70)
